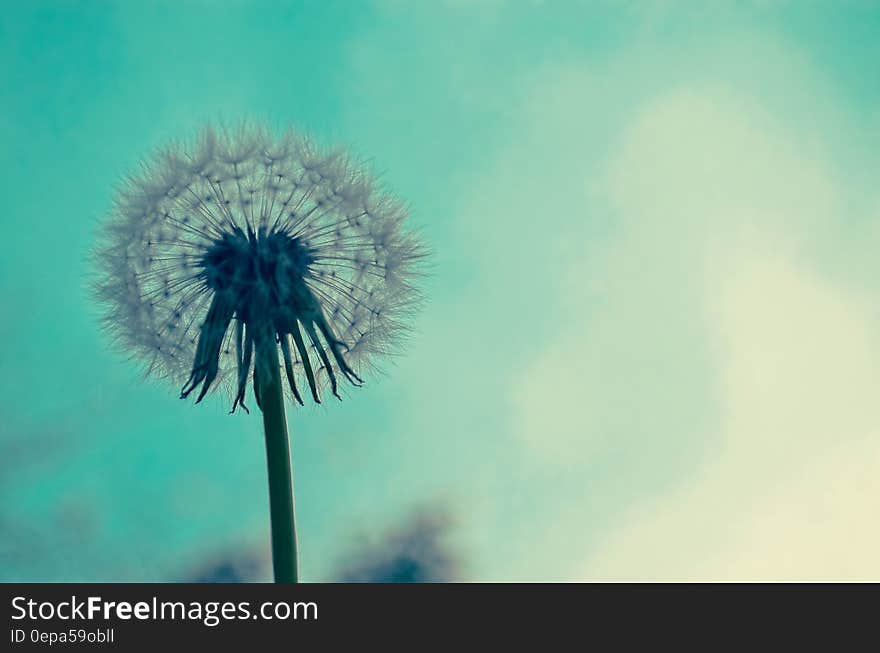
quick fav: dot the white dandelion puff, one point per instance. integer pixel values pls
(244, 243)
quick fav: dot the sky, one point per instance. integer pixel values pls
(651, 343)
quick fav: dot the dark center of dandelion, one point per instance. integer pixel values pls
(257, 268)
(260, 280)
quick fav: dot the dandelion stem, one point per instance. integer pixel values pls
(281, 503)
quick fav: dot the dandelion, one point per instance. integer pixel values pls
(244, 259)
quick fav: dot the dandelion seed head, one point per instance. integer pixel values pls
(242, 241)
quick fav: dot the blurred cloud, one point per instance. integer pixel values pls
(719, 342)
(48, 548)
(35, 446)
(416, 551)
(40, 540)
(791, 487)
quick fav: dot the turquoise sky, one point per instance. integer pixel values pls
(651, 348)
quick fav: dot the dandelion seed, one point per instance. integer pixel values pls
(244, 239)
(245, 258)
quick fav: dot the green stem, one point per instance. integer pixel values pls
(281, 503)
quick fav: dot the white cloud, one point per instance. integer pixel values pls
(793, 488)
(720, 352)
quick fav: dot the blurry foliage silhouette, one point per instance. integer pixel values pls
(243, 566)
(417, 551)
